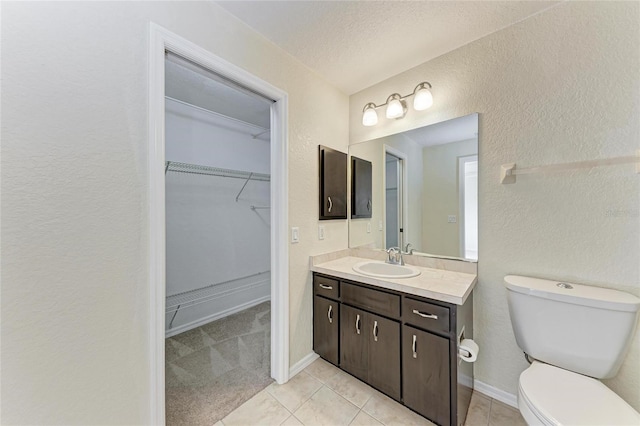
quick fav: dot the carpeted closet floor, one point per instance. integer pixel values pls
(215, 368)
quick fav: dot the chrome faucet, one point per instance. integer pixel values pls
(395, 256)
(407, 249)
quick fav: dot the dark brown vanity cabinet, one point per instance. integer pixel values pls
(326, 318)
(403, 345)
(361, 184)
(370, 349)
(425, 374)
(333, 184)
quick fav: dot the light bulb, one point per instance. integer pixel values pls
(423, 98)
(395, 109)
(369, 116)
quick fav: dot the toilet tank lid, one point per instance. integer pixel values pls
(578, 294)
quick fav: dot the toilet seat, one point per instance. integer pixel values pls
(560, 397)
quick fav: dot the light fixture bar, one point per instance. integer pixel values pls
(396, 105)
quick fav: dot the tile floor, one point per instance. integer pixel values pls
(324, 395)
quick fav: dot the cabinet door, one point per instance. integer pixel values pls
(333, 184)
(425, 374)
(384, 355)
(325, 328)
(354, 341)
(361, 182)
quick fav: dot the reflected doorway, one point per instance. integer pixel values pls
(394, 172)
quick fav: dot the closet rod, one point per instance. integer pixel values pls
(217, 114)
(196, 169)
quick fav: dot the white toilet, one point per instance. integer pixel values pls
(575, 334)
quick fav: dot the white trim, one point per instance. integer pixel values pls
(303, 363)
(461, 202)
(160, 40)
(495, 393)
(402, 193)
(217, 315)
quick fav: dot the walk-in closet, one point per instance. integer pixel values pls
(217, 198)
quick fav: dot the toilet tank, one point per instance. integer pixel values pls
(580, 328)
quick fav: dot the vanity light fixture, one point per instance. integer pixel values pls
(369, 115)
(397, 106)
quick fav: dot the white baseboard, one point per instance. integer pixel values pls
(193, 324)
(302, 364)
(495, 393)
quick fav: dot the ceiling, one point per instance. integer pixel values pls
(356, 44)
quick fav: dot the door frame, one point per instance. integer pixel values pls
(461, 204)
(403, 215)
(160, 40)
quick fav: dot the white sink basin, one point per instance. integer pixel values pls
(379, 269)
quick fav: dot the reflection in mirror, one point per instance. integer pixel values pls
(425, 190)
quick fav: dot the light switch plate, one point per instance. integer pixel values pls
(380, 226)
(295, 234)
(368, 227)
(452, 218)
(321, 232)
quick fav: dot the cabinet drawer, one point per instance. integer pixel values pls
(426, 315)
(327, 287)
(376, 301)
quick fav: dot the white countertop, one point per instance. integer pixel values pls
(438, 284)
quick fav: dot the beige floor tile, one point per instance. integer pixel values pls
(291, 421)
(350, 388)
(479, 408)
(504, 415)
(322, 370)
(326, 408)
(262, 409)
(296, 391)
(363, 419)
(390, 413)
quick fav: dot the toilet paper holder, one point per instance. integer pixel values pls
(468, 350)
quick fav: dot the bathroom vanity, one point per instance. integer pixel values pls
(400, 336)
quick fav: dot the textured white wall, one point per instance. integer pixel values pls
(560, 86)
(441, 196)
(74, 197)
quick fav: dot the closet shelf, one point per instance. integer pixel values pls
(191, 298)
(173, 166)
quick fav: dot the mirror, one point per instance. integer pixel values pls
(424, 190)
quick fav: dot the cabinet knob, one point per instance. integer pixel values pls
(375, 331)
(330, 313)
(329, 204)
(358, 323)
(326, 287)
(369, 205)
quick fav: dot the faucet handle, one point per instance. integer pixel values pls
(392, 254)
(406, 249)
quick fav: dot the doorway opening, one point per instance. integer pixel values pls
(193, 171)
(394, 198)
(217, 202)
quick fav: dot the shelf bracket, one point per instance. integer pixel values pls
(245, 184)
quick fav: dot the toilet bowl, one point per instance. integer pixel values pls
(577, 334)
(551, 396)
